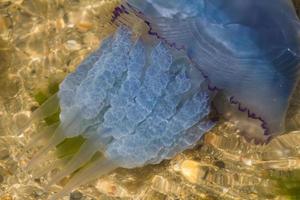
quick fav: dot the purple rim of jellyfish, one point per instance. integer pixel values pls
(122, 9)
(119, 10)
(251, 115)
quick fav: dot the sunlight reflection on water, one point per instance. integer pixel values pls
(42, 41)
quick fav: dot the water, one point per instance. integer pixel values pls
(41, 41)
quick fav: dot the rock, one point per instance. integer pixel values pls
(1, 178)
(76, 195)
(4, 154)
(191, 170)
(220, 164)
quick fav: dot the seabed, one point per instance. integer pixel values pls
(41, 41)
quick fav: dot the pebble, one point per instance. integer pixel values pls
(110, 188)
(4, 154)
(1, 178)
(84, 26)
(76, 195)
(73, 45)
(220, 164)
(6, 197)
(192, 170)
(21, 119)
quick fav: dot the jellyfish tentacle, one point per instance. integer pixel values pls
(48, 108)
(87, 174)
(44, 134)
(57, 138)
(53, 165)
(85, 153)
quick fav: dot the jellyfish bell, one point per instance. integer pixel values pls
(249, 50)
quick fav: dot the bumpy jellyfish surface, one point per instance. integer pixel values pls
(248, 49)
(133, 101)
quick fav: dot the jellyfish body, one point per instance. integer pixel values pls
(140, 101)
(134, 102)
(248, 49)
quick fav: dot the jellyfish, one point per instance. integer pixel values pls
(136, 102)
(147, 93)
(248, 50)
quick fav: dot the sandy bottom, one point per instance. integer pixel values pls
(42, 41)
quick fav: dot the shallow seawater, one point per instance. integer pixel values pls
(42, 41)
